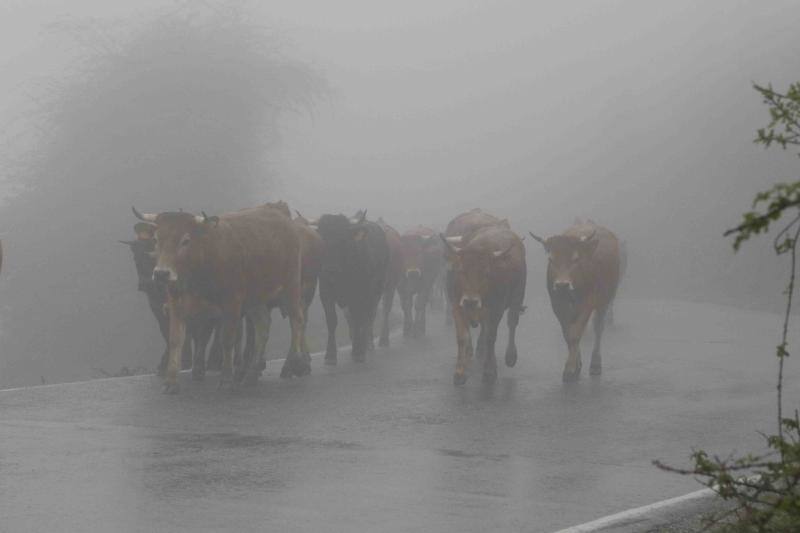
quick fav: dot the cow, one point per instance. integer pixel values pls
(311, 251)
(488, 277)
(142, 249)
(394, 273)
(235, 263)
(422, 260)
(582, 278)
(459, 231)
(355, 259)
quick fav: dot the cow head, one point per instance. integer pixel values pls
(472, 270)
(281, 206)
(176, 236)
(341, 237)
(414, 250)
(143, 249)
(569, 268)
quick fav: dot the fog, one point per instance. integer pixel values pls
(639, 115)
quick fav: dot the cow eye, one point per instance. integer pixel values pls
(185, 240)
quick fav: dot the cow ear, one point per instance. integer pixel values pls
(144, 231)
(590, 246)
(359, 233)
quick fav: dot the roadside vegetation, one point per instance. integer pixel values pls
(764, 489)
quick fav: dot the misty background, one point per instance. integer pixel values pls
(639, 115)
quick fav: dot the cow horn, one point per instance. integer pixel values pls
(205, 219)
(454, 240)
(361, 216)
(449, 245)
(147, 217)
(589, 237)
(299, 215)
(425, 237)
(536, 237)
(501, 253)
(129, 243)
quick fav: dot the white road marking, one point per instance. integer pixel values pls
(633, 515)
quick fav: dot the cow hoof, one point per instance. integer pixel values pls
(330, 361)
(571, 377)
(359, 358)
(198, 376)
(251, 379)
(286, 371)
(384, 342)
(459, 379)
(489, 378)
(171, 388)
(595, 370)
(301, 367)
(511, 356)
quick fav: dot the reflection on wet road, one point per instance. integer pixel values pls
(391, 445)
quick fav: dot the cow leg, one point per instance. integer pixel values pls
(464, 347)
(296, 362)
(420, 305)
(596, 366)
(480, 348)
(230, 324)
(361, 328)
(187, 352)
(177, 338)
(261, 319)
(573, 331)
(490, 361)
(369, 334)
(201, 335)
(511, 350)
(304, 342)
(157, 307)
(388, 300)
(162, 365)
(408, 320)
(448, 297)
(329, 306)
(214, 361)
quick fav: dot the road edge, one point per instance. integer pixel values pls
(638, 515)
(393, 335)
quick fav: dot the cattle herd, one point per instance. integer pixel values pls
(222, 276)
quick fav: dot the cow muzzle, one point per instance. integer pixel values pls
(471, 302)
(162, 276)
(563, 286)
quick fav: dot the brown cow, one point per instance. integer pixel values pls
(422, 264)
(582, 278)
(241, 261)
(311, 252)
(459, 231)
(394, 273)
(489, 275)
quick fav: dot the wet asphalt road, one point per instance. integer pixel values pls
(391, 445)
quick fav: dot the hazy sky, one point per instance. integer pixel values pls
(638, 113)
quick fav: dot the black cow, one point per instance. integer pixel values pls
(355, 260)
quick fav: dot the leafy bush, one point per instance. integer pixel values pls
(763, 489)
